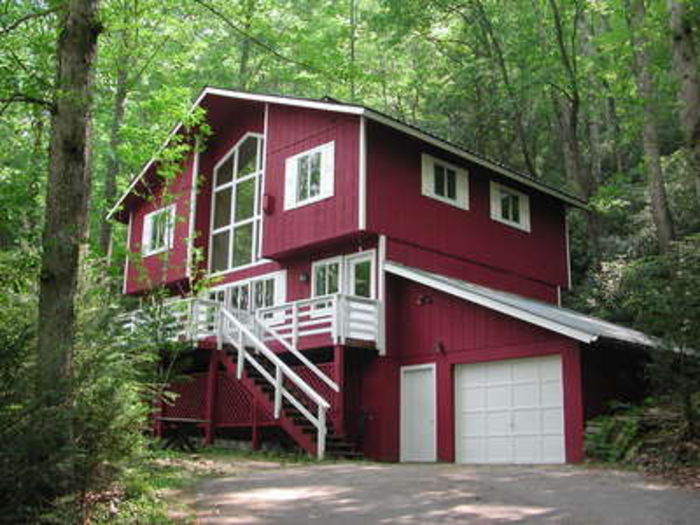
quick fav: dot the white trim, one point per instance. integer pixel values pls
(193, 209)
(263, 181)
(128, 251)
(381, 293)
(428, 163)
(495, 189)
(402, 416)
(326, 170)
(362, 177)
(492, 304)
(568, 250)
(341, 274)
(232, 224)
(355, 110)
(146, 250)
(358, 257)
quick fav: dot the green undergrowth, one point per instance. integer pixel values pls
(160, 488)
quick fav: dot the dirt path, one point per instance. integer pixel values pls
(447, 493)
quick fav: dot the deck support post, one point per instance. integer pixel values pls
(339, 378)
(210, 397)
(255, 433)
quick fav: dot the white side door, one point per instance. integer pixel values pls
(418, 413)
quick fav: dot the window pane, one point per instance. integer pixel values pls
(315, 175)
(505, 205)
(242, 245)
(247, 157)
(259, 297)
(362, 279)
(225, 172)
(451, 184)
(219, 249)
(244, 297)
(333, 271)
(302, 179)
(222, 208)
(439, 182)
(245, 199)
(235, 296)
(320, 280)
(269, 292)
(515, 208)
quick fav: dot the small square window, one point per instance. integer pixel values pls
(309, 176)
(509, 206)
(158, 230)
(444, 182)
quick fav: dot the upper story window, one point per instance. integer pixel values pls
(309, 176)
(445, 182)
(158, 231)
(236, 212)
(510, 206)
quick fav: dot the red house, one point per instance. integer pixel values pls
(370, 289)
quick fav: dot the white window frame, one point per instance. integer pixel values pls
(523, 206)
(324, 262)
(327, 176)
(351, 261)
(280, 293)
(428, 163)
(148, 220)
(255, 220)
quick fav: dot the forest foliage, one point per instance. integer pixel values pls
(598, 97)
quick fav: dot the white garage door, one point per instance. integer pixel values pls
(510, 411)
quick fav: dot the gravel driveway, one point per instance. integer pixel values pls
(367, 493)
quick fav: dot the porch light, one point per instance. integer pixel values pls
(304, 277)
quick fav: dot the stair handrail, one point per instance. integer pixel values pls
(296, 353)
(281, 371)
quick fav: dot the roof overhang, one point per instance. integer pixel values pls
(569, 323)
(373, 115)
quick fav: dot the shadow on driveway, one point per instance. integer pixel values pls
(444, 493)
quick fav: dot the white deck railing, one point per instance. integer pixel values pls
(339, 316)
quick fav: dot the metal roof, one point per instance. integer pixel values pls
(555, 318)
(328, 104)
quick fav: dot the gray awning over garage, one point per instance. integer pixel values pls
(561, 320)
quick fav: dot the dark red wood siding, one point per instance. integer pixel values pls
(143, 273)
(395, 207)
(447, 331)
(294, 130)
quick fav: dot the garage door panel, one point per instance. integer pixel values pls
(510, 411)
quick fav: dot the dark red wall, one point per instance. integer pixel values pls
(468, 334)
(143, 273)
(294, 130)
(396, 208)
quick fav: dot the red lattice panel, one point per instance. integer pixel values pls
(234, 404)
(189, 402)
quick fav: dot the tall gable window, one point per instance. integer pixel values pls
(445, 182)
(309, 176)
(158, 231)
(236, 213)
(509, 206)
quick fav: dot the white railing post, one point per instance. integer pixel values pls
(295, 324)
(321, 437)
(339, 319)
(219, 316)
(278, 391)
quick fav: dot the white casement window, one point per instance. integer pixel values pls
(445, 182)
(326, 276)
(309, 176)
(236, 211)
(158, 231)
(509, 206)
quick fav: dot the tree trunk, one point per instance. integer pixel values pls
(68, 191)
(687, 64)
(660, 211)
(113, 162)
